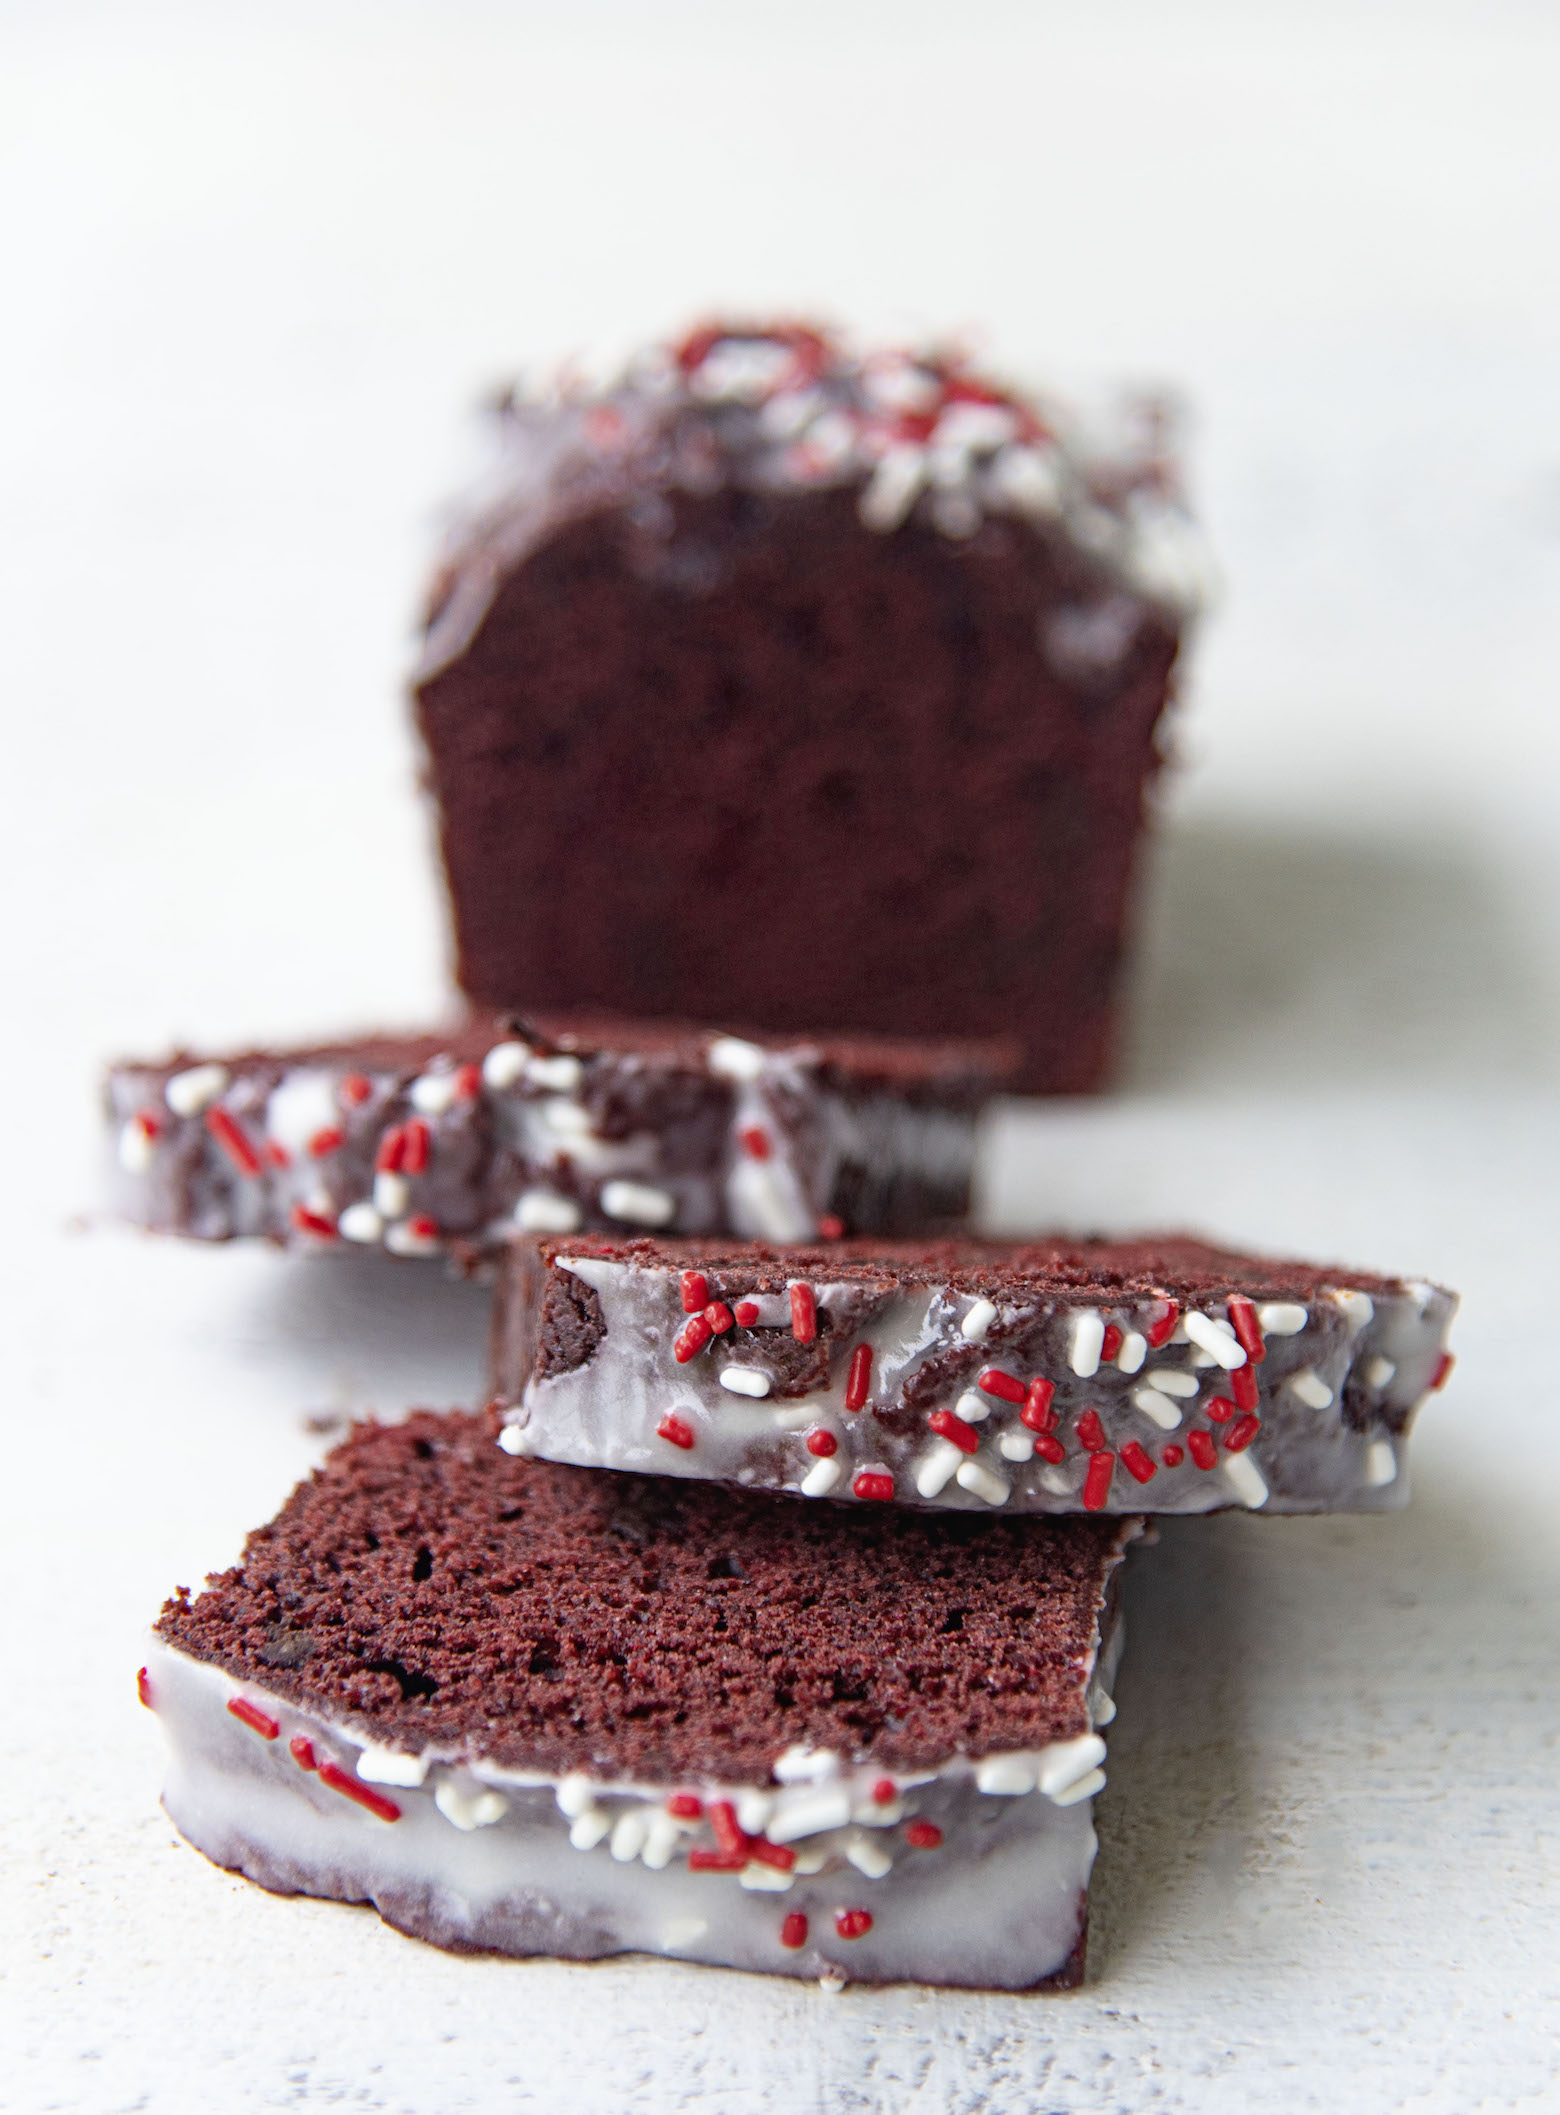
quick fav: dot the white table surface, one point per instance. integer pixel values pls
(254, 262)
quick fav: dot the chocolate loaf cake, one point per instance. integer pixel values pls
(777, 684)
(537, 1710)
(417, 1143)
(1154, 1375)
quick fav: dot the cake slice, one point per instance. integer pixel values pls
(785, 682)
(416, 1143)
(533, 1709)
(1152, 1375)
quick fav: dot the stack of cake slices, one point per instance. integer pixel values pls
(767, 1613)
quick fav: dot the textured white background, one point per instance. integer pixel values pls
(252, 263)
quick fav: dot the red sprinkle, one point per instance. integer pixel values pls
(326, 1142)
(392, 1151)
(1111, 1345)
(232, 1141)
(685, 1806)
(923, 1835)
(1037, 1413)
(746, 1313)
(1219, 1409)
(1096, 1485)
(885, 1791)
(723, 1820)
(1204, 1453)
(763, 1852)
(253, 1717)
(995, 1382)
(148, 1123)
(793, 1932)
(314, 1223)
(702, 1860)
(1443, 1367)
(1049, 1447)
(1172, 1456)
(1162, 1328)
(756, 1142)
(355, 1089)
(468, 1082)
(859, 1379)
(423, 1227)
(696, 1333)
(1242, 1433)
(830, 1227)
(949, 1426)
(414, 1153)
(673, 1428)
(276, 1154)
(1248, 1330)
(143, 1687)
(1243, 1386)
(695, 1289)
(853, 1923)
(821, 1441)
(719, 1317)
(804, 1314)
(1136, 1462)
(1091, 1432)
(302, 1751)
(333, 1775)
(873, 1483)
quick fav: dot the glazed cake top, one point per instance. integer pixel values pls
(429, 1591)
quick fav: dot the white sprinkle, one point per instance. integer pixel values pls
(188, 1093)
(1134, 1349)
(937, 1466)
(1088, 1340)
(1380, 1463)
(1065, 1761)
(1245, 1479)
(974, 1476)
(1055, 1481)
(1007, 1776)
(1085, 1788)
(588, 1830)
(575, 1793)
(433, 1093)
(1171, 1380)
(733, 1059)
(135, 1150)
(1380, 1373)
(972, 1408)
(504, 1066)
(900, 384)
(821, 1478)
(567, 1119)
(1358, 1306)
(638, 1204)
(798, 1765)
(831, 1982)
(513, 1440)
(754, 1808)
(809, 1813)
(978, 1320)
(891, 491)
(303, 1104)
(1282, 1318)
(1216, 1338)
(468, 1810)
(406, 1240)
(744, 1380)
(975, 426)
(767, 1879)
(661, 1839)
(1421, 1293)
(629, 1832)
(1104, 1709)
(765, 1201)
(391, 1766)
(392, 1195)
(682, 1931)
(545, 1212)
(797, 1417)
(810, 1862)
(868, 1856)
(1016, 1446)
(1312, 1390)
(360, 1222)
(560, 1074)
(1027, 479)
(1166, 1414)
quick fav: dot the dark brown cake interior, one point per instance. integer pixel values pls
(427, 1589)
